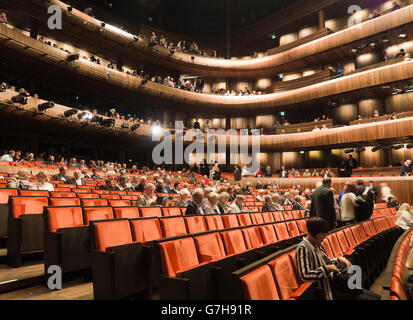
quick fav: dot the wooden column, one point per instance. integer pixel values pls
(321, 19)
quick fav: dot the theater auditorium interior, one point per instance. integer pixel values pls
(206, 150)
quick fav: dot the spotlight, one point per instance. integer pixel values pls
(398, 147)
(125, 125)
(135, 126)
(409, 146)
(103, 24)
(376, 148)
(402, 36)
(107, 122)
(144, 81)
(361, 149)
(20, 99)
(372, 45)
(45, 106)
(85, 115)
(349, 151)
(72, 57)
(69, 8)
(156, 130)
(70, 112)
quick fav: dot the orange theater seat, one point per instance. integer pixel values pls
(88, 196)
(288, 215)
(145, 230)
(210, 247)
(150, 212)
(171, 211)
(282, 231)
(268, 234)
(234, 241)
(172, 227)
(66, 217)
(97, 213)
(6, 193)
(60, 202)
(27, 205)
(112, 233)
(178, 256)
(293, 228)
(60, 194)
(126, 212)
(35, 193)
(214, 222)
(268, 217)
(244, 219)
(252, 237)
(284, 275)
(278, 216)
(119, 203)
(110, 196)
(94, 202)
(256, 218)
(195, 224)
(230, 221)
(259, 285)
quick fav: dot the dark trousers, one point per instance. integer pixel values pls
(339, 294)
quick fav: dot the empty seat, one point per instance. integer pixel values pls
(335, 245)
(27, 205)
(61, 194)
(244, 219)
(341, 237)
(278, 216)
(111, 233)
(282, 231)
(66, 217)
(256, 218)
(230, 221)
(293, 228)
(129, 197)
(172, 227)
(252, 237)
(288, 215)
(259, 285)
(97, 213)
(302, 226)
(145, 230)
(126, 212)
(195, 224)
(178, 256)
(35, 193)
(267, 217)
(284, 275)
(88, 196)
(119, 203)
(214, 222)
(94, 202)
(268, 234)
(6, 193)
(297, 214)
(60, 202)
(171, 211)
(110, 196)
(328, 249)
(80, 190)
(150, 212)
(350, 238)
(234, 241)
(210, 247)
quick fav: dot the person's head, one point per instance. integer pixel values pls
(122, 180)
(149, 189)
(350, 188)
(239, 200)
(23, 174)
(143, 180)
(198, 195)
(12, 153)
(403, 207)
(408, 162)
(360, 183)
(275, 198)
(213, 198)
(327, 182)
(223, 197)
(76, 174)
(184, 194)
(62, 171)
(371, 184)
(41, 177)
(108, 182)
(268, 199)
(317, 229)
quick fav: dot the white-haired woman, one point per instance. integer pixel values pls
(41, 183)
(223, 207)
(210, 206)
(184, 196)
(404, 217)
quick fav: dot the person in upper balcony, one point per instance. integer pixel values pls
(376, 113)
(375, 14)
(316, 128)
(401, 54)
(406, 168)
(3, 87)
(9, 157)
(395, 6)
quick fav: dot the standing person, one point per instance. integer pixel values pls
(348, 204)
(283, 172)
(373, 190)
(316, 266)
(406, 168)
(351, 164)
(237, 173)
(364, 200)
(322, 204)
(268, 172)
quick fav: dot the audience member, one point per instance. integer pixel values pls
(404, 217)
(322, 204)
(41, 183)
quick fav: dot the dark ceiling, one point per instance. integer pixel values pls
(191, 17)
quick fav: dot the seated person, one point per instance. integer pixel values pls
(77, 179)
(268, 205)
(182, 202)
(41, 183)
(404, 217)
(210, 206)
(9, 157)
(108, 185)
(124, 184)
(21, 181)
(237, 205)
(194, 206)
(148, 198)
(392, 202)
(61, 176)
(316, 266)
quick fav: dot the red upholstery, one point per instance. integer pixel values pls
(150, 212)
(94, 202)
(252, 237)
(282, 231)
(171, 211)
(195, 224)
(119, 203)
(126, 212)
(214, 222)
(27, 205)
(268, 234)
(66, 217)
(259, 285)
(234, 241)
(210, 247)
(145, 230)
(230, 221)
(97, 213)
(284, 275)
(172, 227)
(6, 193)
(60, 202)
(112, 233)
(244, 219)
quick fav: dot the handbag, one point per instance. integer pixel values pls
(340, 281)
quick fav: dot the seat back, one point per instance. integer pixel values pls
(150, 212)
(88, 195)
(195, 224)
(34, 193)
(267, 217)
(282, 231)
(126, 212)
(111, 233)
(284, 275)
(252, 237)
(256, 218)
(342, 240)
(110, 196)
(230, 221)
(259, 285)
(209, 247)
(6, 193)
(268, 234)
(94, 202)
(61, 194)
(21, 205)
(144, 230)
(119, 203)
(64, 217)
(172, 227)
(171, 211)
(244, 219)
(214, 222)
(288, 215)
(60, 202)
(335, 245)
(234, 241)
(293, 228)
(97, 213)
(177, 256)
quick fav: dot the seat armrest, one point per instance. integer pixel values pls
(301, 290)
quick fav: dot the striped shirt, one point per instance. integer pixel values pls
(311, 262)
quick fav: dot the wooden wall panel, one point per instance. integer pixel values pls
(370, 159)
(366, 107)
(367, 59)
(401, 155)
(399, 103)
(346, 113)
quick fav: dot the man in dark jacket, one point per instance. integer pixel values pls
(237, 173)
(194, 206)
(364, 199)
(322, 204)
(351, 164)
(268, 205)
